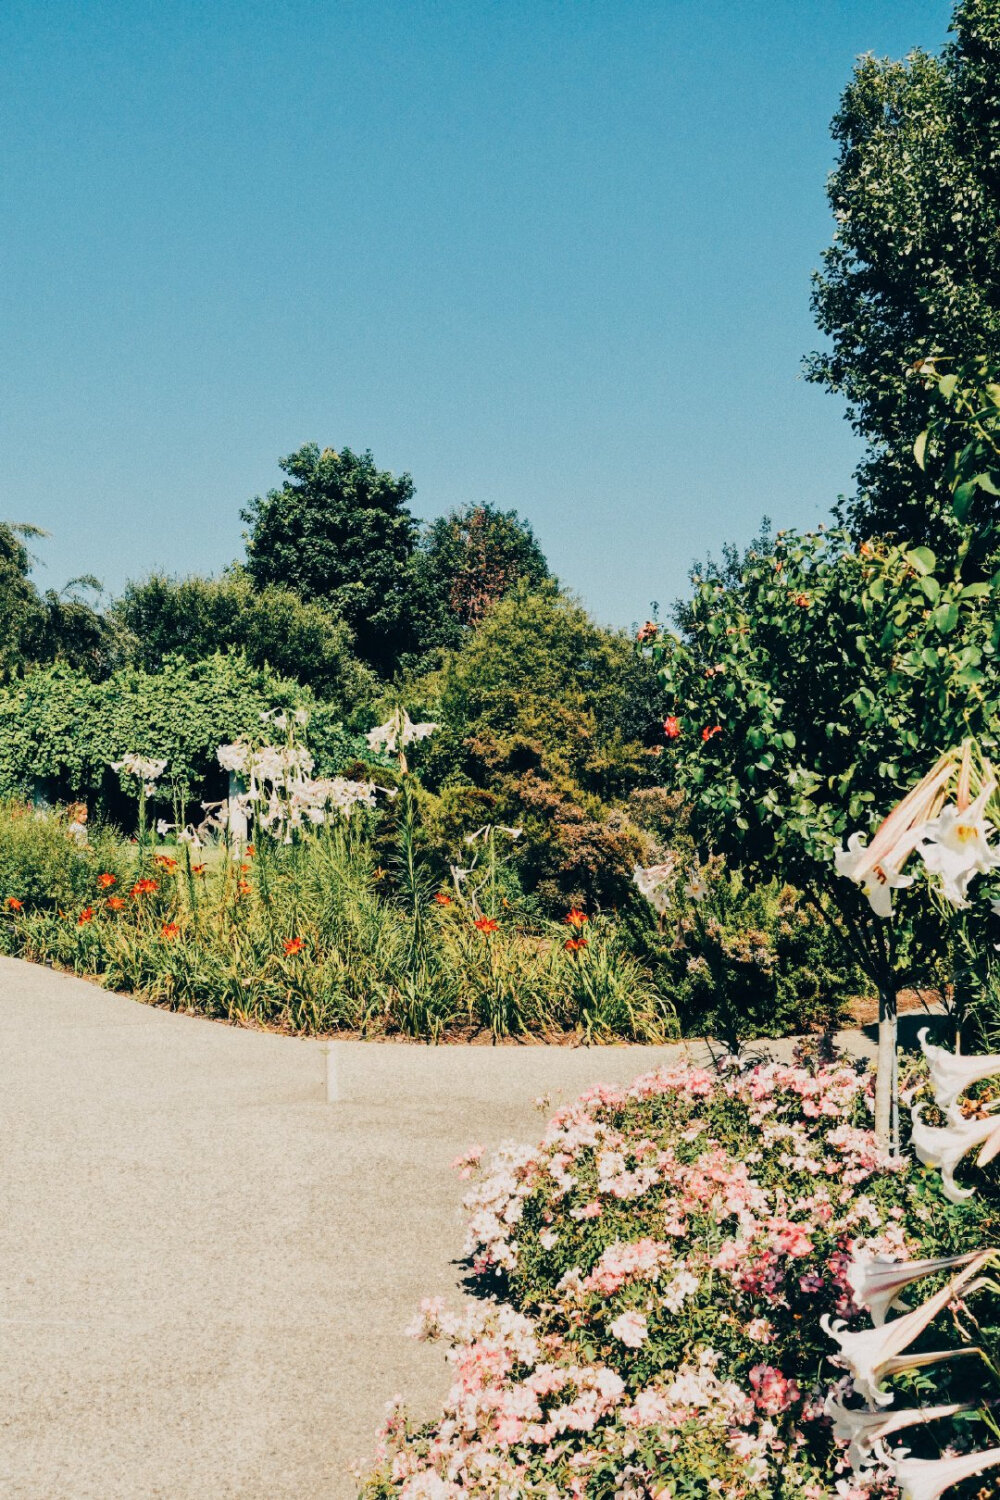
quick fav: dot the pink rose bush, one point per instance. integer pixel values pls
(654, 1274)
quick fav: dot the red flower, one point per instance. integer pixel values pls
(15, 904)
(197, 869)
(115, 903)
(144, 887)
(165, 862)
(105, 881)
(487, 924)
(707, 732)
(576, 918)
(802, 600)
(293, 946)
(442, 899)
(87, 915)
(647, 632)
(169, 930)
(251, 850)
(573, 945)
(671, 727)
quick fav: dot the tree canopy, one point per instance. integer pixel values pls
(914, 267)
(339, 533)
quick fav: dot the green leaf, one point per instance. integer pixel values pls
(946, 617)
(946, 386)
(930, 588)
(963, 498)
(921, 560)
(920, 448)
(989, 482)
(975, 591)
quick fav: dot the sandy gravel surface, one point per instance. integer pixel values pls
(205, 1268)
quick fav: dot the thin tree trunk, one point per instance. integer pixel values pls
(886, 1101)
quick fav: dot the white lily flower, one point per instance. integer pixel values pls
(955, 846)
(655, 883)
(872, 1354)
(876, 1281)
(398, 731)
(945, 1148)
(865, 1430)
(952, 1073)
(927, 1478)
(696, 888)
(876, 883)
(163, 827)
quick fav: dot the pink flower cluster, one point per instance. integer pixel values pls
(653, 1226)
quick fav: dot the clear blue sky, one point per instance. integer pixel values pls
(550, 255)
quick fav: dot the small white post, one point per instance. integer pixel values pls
(332, 1074)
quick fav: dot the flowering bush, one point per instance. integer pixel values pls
(655, 1272)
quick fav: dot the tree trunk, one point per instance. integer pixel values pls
(886, 1101)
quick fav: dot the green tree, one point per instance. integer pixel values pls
(914, 267)
(339, 533)
(45, 627)
(466, 561)
(194, 617)
(543, 717)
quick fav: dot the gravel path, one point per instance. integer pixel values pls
(205, 1268)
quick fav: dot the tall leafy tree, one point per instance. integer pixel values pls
(158, 617)
(914, 267)
(36, 627)
(339, 532)
(466, 562)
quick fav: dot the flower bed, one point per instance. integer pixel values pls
(654, 1274)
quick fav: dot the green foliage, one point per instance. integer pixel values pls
(59, 727)
(47, 627)
(543, 715)
(915, 263)
(812, 692)
(310, 937)
(339, 533)
(466, 561)
(271, 627)
(751, 961)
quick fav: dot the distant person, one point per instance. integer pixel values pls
(77, 815)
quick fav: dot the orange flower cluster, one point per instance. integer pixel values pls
(115, 903)
(708, 732)
(106, 881)
(671, 727)
(576, 918)
(169, 930)
(87, 915)
(442, 899)
(145, 887)
(14, 904)
(573, 945)
(487, 924)
(166, 862)
(293, 946)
